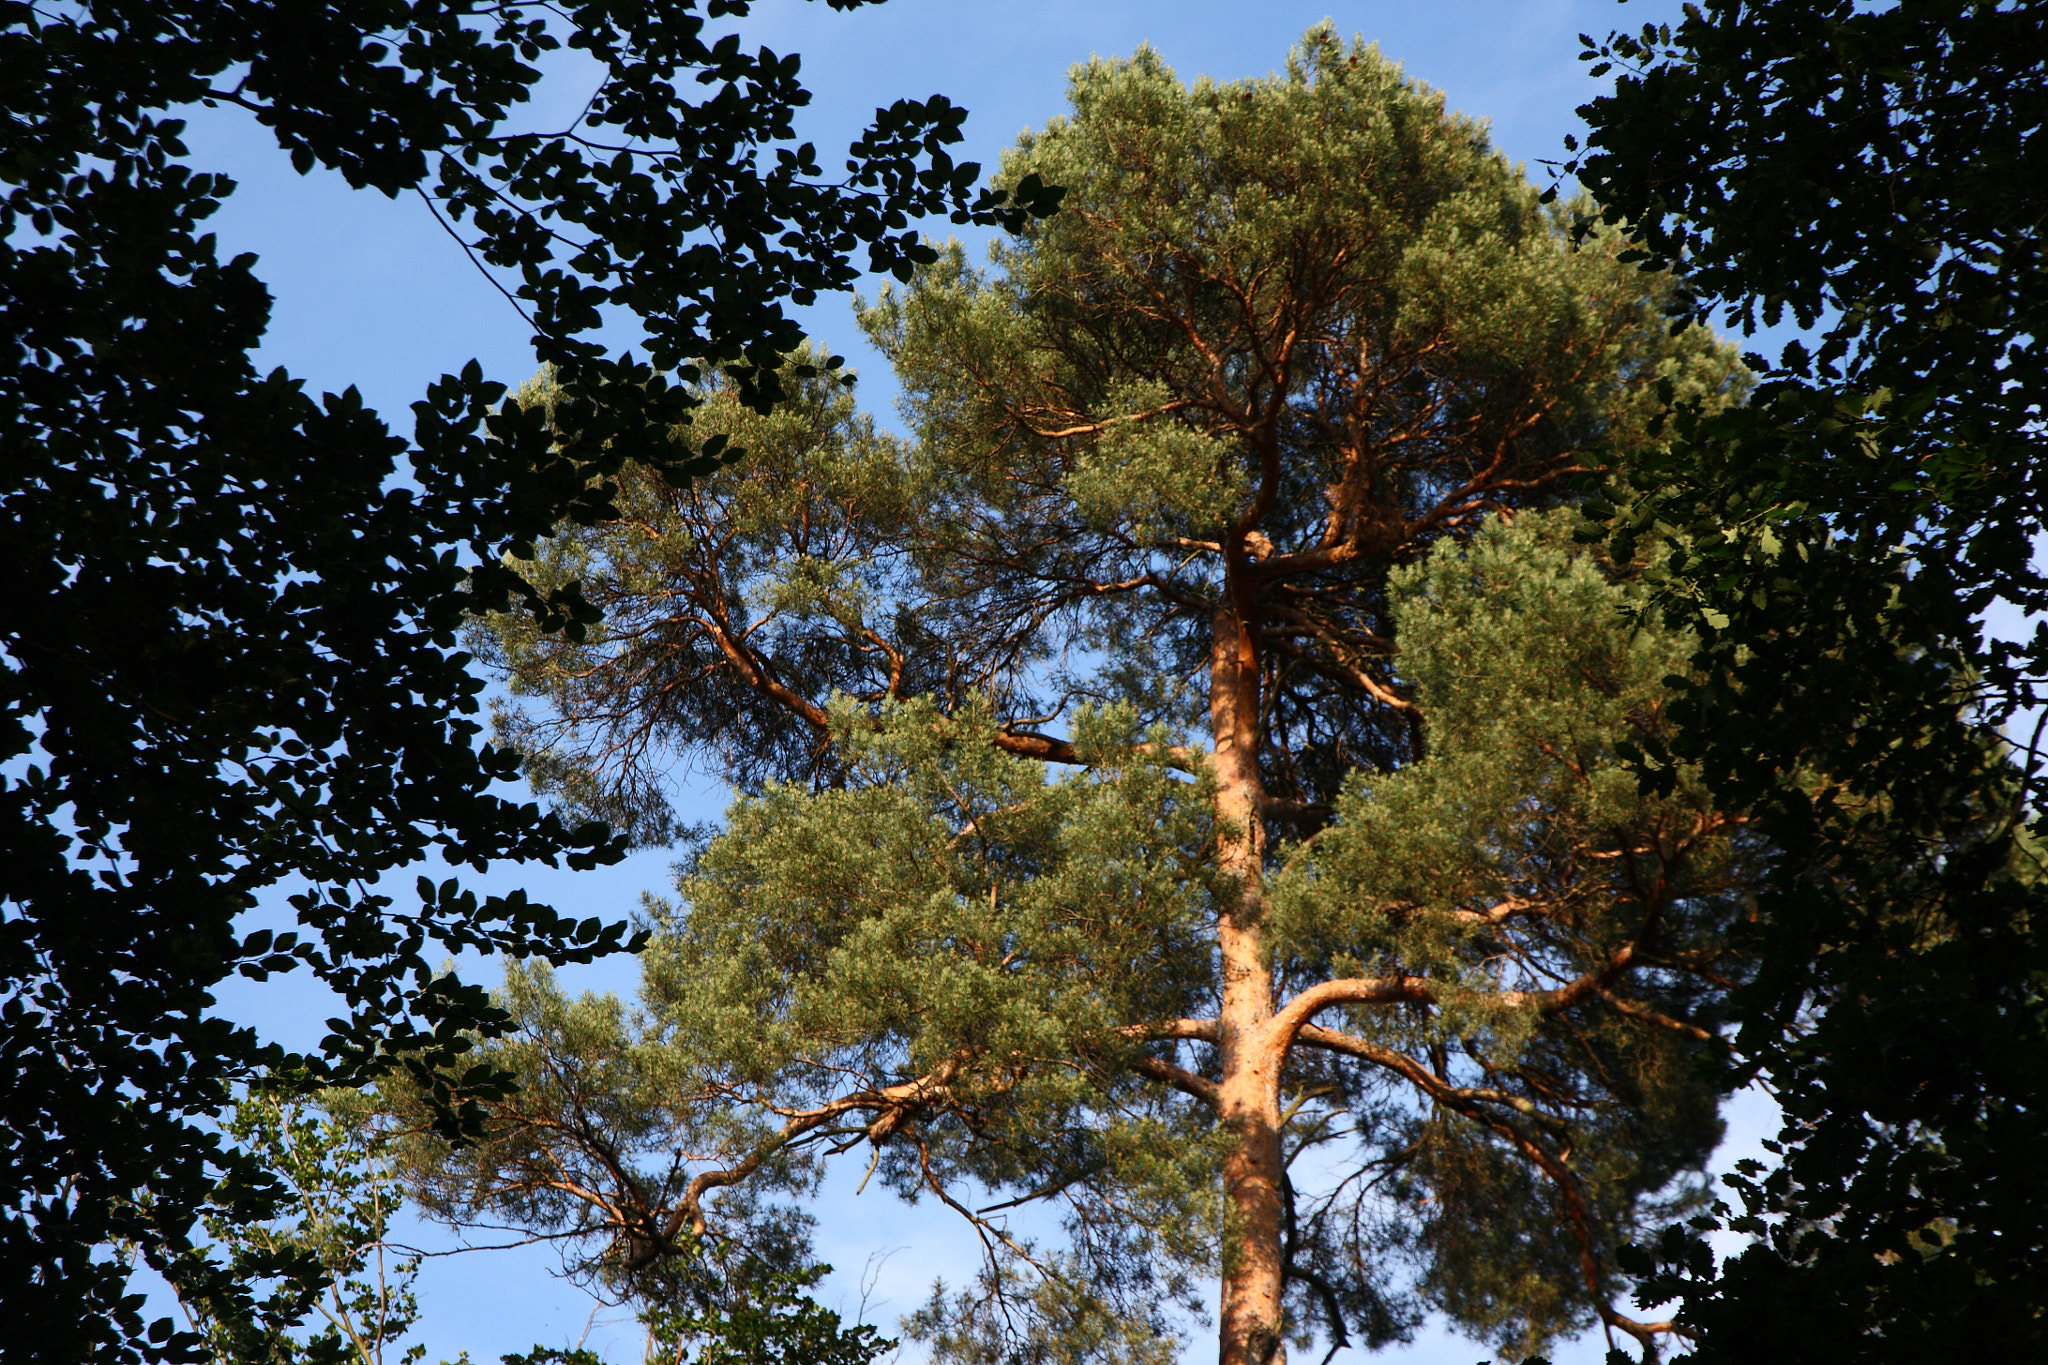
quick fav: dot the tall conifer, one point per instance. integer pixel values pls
(1180, 780)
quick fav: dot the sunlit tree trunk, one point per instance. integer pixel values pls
(1249, 1096)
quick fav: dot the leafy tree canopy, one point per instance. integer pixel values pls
(232, 609)
(1181, 784)
(344, 1196)
(1877, 173)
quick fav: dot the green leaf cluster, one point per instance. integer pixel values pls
(229, 633)
(1874, 174)
(344, 1194)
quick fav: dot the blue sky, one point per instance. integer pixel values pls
(372, 293)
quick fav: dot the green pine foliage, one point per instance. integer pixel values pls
(947, 910)
(1182, 785)
(1531, 691)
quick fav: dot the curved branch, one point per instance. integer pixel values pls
(1649, 1016)
(1459, 1097)
(1193, 1030)
(1572, 992)
(1374, 990)
(896, 1098)
(1096, 428)
(1181, 1079)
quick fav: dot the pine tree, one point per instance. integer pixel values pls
(1180, 782)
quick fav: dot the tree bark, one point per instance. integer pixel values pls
(1249, 1092)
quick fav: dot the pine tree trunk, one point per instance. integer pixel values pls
(1249, 1094)
(1251, 1322)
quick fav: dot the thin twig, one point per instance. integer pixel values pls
(448, 228)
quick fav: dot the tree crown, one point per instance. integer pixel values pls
(1186, 767)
